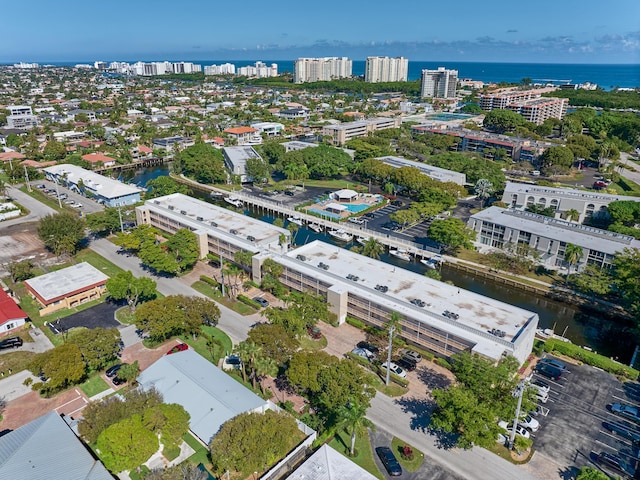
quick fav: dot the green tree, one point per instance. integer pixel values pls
(274, 341)
(202, 162)
(483, 190)
(62, 233)
(252, 442)
(393, 327)
(556, 160)
(265, 367)
(124, 286)
(54, 150)
(129, 372)
(98, 346)
(165, 185)
(572, 256)
(258, 170)
(20, 271)
(626, 271)
(104, 222)
(502, 121)
(372, 248)
(174, 425)
(590, 473)
(572, 214)
(352, 416)
(452, 233)
(592, 281)
(63, 366)
(472, 108)
(126, 444)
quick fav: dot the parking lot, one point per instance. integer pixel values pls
(68, 197)
(100, 316)
(574, 431)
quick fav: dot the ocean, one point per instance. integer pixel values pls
(605, 76)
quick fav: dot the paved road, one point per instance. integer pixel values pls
(13, 387)
(633, 175)
(37, 210)
(233, 324)
(405, 419)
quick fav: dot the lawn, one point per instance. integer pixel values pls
(94, 386)
(99, 262)
(397, 446)
(201, 456)
(200, 344)
(309, 344)
(214, 294)
(124, 315)
(364, 455)
(14, 362)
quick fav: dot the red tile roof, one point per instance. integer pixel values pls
(97, 157)
(6, 156)
(240, 130)
(144, 149)
(9, 310)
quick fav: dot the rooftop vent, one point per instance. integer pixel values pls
(183, 212)
(199, 219)
(171, 207)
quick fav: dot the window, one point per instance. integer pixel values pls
(530, 201)
(590, 208)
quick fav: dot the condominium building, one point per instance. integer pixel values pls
(224, 69)
(322, 69)
(235, 159)
(21, 117)
(506, 229)
(343, 132)
(587, 203)
(440, 174)
(259, 70)
(528, 103)
(440, 83)
(385, 69)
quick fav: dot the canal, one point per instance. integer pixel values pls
(581, 326)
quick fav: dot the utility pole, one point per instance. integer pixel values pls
(120, 215)
(221, 272)
(57, 192)
(26, 176)
(519, 392)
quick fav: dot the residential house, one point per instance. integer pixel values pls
(11, 315)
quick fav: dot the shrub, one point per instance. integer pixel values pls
(354, 322)
(209, 281)
(407, 453)
(591, 358)
(442, 362)
(247, 301)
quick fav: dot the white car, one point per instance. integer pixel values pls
(395, 369)
(523, 432)
(529, 423)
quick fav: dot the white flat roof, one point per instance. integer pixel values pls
(201, 215)
(572, 193)
(478, 314)
(66, 281)
(436, 173)
(104, 186)
(560, 230)
(327, 464)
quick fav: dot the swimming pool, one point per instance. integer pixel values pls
(355, 207)
(448, 116)
(324, 213)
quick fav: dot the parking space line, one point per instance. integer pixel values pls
(607, 445)
(625, 401)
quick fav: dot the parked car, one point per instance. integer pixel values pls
(368, 346)
(626, 411)
(554, 363)
(111, 372)
(549, 371)
(263, 302)
(624, 429)
(289, 193)
(394, 369)
(389, 461)
(541, 385)
(529, 423)
(364, 353)
(410, 354)
(232, 362)
(520, 430)
(615, 462)
(117, 381)
(13, 342)
(397, 203)
(406, 364)
(178, 348)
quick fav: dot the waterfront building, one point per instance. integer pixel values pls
(440, 83)
(171, 143)
(235, 159)
(105, 190)
(322, 69)
(506, 229)
(224, 69)
(528, 103)
(270, 129)
(341, 133)
(259, 70)
(244, 135)
(587, 203)
(385, 69)
(436, 173)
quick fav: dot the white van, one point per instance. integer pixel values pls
(535, 173)
(541, 396)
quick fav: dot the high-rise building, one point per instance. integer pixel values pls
(322, 69)
(259, 70)
(224, 69)
(440, 83)
(528, 103)
(385, 69)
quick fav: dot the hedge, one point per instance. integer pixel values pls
(354, 322)
(442, 362)
(247, 301)
(209, 281)
(590, 358)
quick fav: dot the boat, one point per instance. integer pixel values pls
(340, 235)
(216, 195)
(296, 220)
(361, 240)
(236, 202)
(433, 262)
(401, 254)
(315, 227)
(547, 333)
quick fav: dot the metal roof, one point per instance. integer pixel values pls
(209, 395)
(328, 464)
(47, 449)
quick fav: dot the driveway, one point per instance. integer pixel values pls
(37, 210)
(100, 316)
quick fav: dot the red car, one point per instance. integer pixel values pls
(181, 347)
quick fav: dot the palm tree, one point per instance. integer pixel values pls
(483, 189)
(265, 366)
(392, 326)
(248, 352)
(572, 255)
(352, 415)
(372, 248)
(572, 214)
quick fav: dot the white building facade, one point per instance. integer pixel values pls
(386, 69)
(440, 83)
(322, 69)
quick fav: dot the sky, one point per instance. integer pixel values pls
(562, 31)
